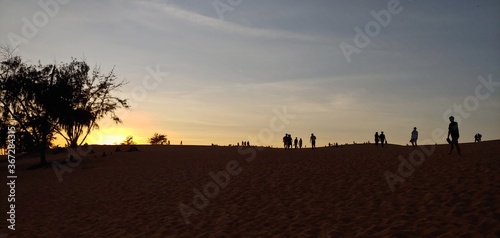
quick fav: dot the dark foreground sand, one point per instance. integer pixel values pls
(327, 192)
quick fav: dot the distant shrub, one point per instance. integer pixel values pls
(158, 139)
(133, 148)
(129, 141)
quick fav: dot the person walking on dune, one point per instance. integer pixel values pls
(296, 143)
(454, 133)
(414, 137)
(313, 140)
(377, 138)
(382, 138)
(300, 143)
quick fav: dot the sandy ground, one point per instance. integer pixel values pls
(170, 191)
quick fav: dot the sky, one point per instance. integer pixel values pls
(225, 71)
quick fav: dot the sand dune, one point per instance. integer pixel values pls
(327, 192)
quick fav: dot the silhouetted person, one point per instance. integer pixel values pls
(300, 143)
(477, 137)
(382, 138)
(290, 141)
(377, 138)
(248, 143)
(285, 141)
(296, 142)
(313, 140)
(414, 137)
(454, 133)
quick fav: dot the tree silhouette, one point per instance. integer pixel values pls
(3, 134)
(41, 101)
(129, 141)
(158, 139)
(26, 99)
(86, 99)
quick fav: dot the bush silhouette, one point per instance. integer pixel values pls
(158, 139)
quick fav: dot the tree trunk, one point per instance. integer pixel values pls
(43, 160)
(74, 143)
(44, 142)
(43, 146)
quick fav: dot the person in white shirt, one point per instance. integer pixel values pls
(414, 137)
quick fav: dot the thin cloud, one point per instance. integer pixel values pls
(228, 27)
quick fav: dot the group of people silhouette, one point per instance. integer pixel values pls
(453, 132)
(244, 143)
(289, 142)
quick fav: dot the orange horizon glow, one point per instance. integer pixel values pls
(109, 136)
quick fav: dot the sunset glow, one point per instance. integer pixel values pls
(343, 70)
